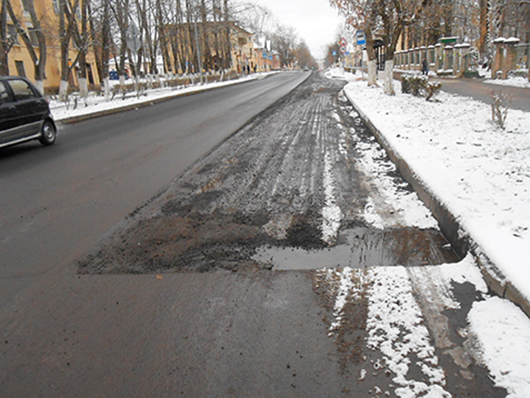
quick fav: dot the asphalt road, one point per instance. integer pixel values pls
(174, 301)
(477, 89)
(56, 202)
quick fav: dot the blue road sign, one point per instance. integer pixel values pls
(361, 38)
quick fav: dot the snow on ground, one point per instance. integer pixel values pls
(504, 336)
(407, 209)
(479, 171)
(498, 334)
(97, 103)
(511, 81)
(482, 174)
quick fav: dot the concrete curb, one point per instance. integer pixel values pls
(449, 223)
(131, 107)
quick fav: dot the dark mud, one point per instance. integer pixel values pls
(264, 188)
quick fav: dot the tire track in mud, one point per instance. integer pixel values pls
(262, 186)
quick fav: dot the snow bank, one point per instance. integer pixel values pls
(93, 104)
(512, 82)
(479, 171)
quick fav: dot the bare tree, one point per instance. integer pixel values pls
(37, 57)
(67, 27)
(120, 11)
(304, 57)
(6, 41)
(363, 15)
(99, 22)
(284, 41)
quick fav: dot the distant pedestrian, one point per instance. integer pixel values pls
(424, 67)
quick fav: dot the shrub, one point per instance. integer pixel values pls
(518, 73)
(499, 107)
(432, 89)
(413, 84)
(419, 86)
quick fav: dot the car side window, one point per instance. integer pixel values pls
(4, 95)
(21, 89)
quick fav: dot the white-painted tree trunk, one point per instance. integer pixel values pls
(83, 87)
(372, 73)
(389, 77)
(63, 90)
(106, 88)
(39, 84)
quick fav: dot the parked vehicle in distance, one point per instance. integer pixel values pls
(24, 113)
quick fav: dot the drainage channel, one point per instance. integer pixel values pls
(364, 247)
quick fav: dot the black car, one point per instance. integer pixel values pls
(24, 113)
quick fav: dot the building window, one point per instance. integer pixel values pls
(20, 68)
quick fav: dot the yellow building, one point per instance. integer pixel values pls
(243, 57)
(20, 62)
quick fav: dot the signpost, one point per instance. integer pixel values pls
(360, 37)
(134, 43)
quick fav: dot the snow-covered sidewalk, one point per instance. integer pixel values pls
(478, 171)
(96, 105)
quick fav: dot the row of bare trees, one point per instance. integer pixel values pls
(422, 22)
(176, 30)
(188, 35)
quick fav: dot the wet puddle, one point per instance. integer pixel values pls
(362, 248)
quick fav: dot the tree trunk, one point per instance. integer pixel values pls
(228, 43)
(483, 4)
(372, 63)
(389, 77)
(105, 51)
(205, 48)
(39, 61)
(83, 86)
(5, 45)
(64, 38)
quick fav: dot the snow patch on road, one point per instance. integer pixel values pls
(396, 328)
(349, 286)
(331, 213)
(503, 333)
(371, 216)
(407, 210)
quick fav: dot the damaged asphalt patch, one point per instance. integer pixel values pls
(289, 179)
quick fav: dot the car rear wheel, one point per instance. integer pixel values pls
(48, 133)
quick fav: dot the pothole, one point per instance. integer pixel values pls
(361, 247)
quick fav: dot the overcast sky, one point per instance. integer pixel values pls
(315, 21)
